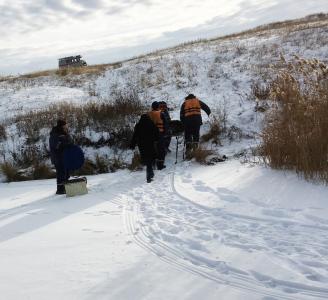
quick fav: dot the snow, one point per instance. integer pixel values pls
(14, 102)
(230, 231)
(233, 230)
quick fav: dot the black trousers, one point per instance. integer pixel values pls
(161, 152)
(62, 174)
(168, 139)
(191, 135)
(149, 169)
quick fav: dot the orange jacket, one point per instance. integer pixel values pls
(156, 117)
(192, 107)
(190, 111)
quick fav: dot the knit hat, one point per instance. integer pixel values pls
(155, 105)
(190, 96)
(61, 123)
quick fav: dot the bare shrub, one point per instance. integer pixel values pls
(3, 134)
(178, 71)
(135, 164)
(234, 133)
(3, 78)
(295, 135)
(200, 155)
(260, 91)
(88, 168)
(102, 164)
(214, 131)
(117, 163)
(11, 172)
(116, 117)
(28, 155)
(62, 72)
(86, 70)
(42, 171)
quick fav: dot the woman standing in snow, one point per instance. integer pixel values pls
(59, 140)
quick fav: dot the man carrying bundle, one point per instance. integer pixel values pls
(190, 115)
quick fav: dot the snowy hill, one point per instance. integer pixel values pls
(235, 230)
(223, 72)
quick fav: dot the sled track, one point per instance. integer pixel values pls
(301, 289)
(177, 259)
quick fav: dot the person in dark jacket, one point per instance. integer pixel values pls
(168, 134)
(145, 135)
(160, 122)
(58, 141)
(190, 115)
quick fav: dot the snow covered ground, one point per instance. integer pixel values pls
(230, 231)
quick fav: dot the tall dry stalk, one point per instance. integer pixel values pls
(296, 133)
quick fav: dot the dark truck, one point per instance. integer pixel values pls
(71, 61)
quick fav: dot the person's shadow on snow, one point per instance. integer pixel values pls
(35, 215)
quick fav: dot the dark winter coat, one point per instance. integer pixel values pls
(58, 141)
(167, 121)
(145, 135)
(195, 119)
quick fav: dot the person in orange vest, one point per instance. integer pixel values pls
(168, 134)
(159, 120)
(190, 115)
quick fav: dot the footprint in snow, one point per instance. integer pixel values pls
(230, 198)
(186, 180)
(274, 213)
(316, 219)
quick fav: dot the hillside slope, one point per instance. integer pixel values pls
(231, 231)
(227, 73)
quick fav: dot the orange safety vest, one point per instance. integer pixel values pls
(155, 116)
(192, 107)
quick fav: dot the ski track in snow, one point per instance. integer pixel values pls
(209, 231)
(158, 221)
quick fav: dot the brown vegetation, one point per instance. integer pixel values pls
(296, 133)
(115, 116)
(11, 172)
(214, 132)
(200, 155)
(3, 134)
(135, 164)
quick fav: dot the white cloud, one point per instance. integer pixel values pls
(34, 34)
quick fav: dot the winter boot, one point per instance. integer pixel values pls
(60, 189)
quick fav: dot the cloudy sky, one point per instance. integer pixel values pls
(34, 33)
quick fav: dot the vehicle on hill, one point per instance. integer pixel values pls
(71, 61)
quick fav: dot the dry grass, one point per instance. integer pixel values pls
(3, 133)
(214, 132)
(296, 133)
(115, 116)
(135, 164)
(87, 70)
(200, 155)
(260, 91)
(38, 74)
(42, 171)
(11, 172)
